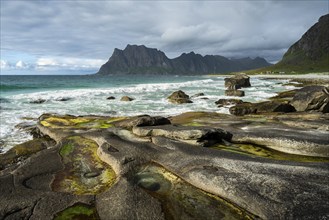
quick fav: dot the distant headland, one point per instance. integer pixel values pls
(139, 59)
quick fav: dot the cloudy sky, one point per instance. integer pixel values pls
(80, 35)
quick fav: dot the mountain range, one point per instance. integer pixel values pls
(139, 59)
(309, 54)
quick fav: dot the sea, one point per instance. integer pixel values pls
(87, 95)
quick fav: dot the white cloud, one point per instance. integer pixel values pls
(90, 30)
(47, 63)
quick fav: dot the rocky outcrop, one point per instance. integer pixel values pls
(203, 137)
(237, 81)
(261, 107)
(144, 120)
(234, 92)
(97, 168)
(312, 98)
(142, 60)
(179, 97)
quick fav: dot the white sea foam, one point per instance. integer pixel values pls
(150, 99)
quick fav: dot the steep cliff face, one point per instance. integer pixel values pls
(311, 52)
(136, 59)
(142, 60)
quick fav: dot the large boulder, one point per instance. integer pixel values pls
(312, 98)
(261, 107)
(179, 97)
(238, 81)
(234, 92)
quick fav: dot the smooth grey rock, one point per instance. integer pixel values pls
(311, 98)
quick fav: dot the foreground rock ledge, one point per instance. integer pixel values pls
(172, 179)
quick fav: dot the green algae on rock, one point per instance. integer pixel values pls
(78, 211)
(181, 200)
(255, 150)
(23, 150)
(84, 173)
(78, 122)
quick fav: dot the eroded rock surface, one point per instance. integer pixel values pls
(150, 168)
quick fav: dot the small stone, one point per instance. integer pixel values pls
(110, 98)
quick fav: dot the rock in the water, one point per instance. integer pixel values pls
(234, 92)
(225, 102)
(126, 98)
(238, 81)
(179, 97)
(38, 101)
(64, 99)
(110, 98)
(197, 95)
(312, 98)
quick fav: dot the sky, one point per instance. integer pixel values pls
(78, 36)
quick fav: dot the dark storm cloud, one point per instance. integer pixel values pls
(92, 29)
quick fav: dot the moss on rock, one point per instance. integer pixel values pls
(84, 173)
(78, 211)
(181, 200)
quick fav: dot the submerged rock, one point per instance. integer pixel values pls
(198, 95)
(64, 99)
(179, 97)
(38, 101)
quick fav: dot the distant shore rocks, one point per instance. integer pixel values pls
(126, 99)
(179, 97)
